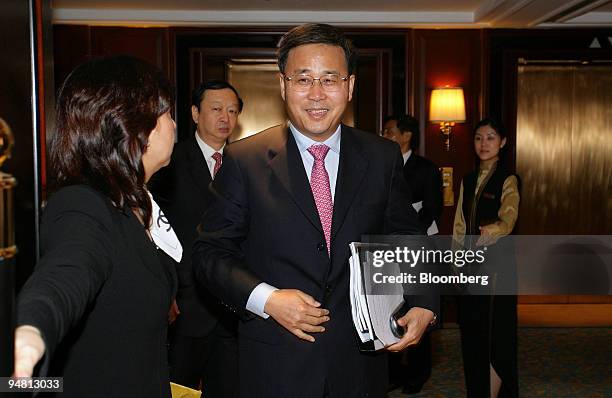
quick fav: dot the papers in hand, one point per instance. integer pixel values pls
(373, 314)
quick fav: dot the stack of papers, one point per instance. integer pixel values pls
(373, 314)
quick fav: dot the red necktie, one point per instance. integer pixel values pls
(218, 160)
(319, 183)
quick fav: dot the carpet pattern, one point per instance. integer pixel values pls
(553, 362)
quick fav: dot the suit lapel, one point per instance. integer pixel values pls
(409, 165)
(286, 163)
(198, 167)
(351, 171)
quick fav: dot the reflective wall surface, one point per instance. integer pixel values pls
(564, 149)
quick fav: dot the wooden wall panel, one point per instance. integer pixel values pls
(439, 58)
(150, 44)
(74, 44)
(71, 46)
(565, 315)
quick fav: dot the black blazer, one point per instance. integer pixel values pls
(181, 190)
(100, 296)
(425, 183)
(263, 226)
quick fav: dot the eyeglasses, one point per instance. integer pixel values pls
(330, 82)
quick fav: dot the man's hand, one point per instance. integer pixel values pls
(415, 323)
(174, 312)
(29, 348)
(297, 312)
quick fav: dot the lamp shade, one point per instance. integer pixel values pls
(447, 105)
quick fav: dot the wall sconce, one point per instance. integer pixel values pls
(447, 107)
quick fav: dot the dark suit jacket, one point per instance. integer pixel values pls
(425, 183)
(100, 295)
(181, 190)
(263, 226)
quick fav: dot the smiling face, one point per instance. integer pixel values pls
(487, 143)
(316, 113)
(217, 116)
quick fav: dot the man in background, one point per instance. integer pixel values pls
(412, 368)
(203, 347)
(423, 176)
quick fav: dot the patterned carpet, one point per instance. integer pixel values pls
(553, 362)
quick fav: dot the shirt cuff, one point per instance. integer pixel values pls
(258, 298)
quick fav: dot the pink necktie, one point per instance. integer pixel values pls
(319, 183)
(218, 160)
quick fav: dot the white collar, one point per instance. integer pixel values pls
(206, 149)
(406, 155)
(303, 142)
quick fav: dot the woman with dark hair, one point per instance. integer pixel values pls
(95, 308)
(487, 210)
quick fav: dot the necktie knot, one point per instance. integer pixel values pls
(318, 151)
(217, 157)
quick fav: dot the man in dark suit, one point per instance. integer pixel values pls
(274, 241)
(203, 347)
(412, 368)
(422, 175)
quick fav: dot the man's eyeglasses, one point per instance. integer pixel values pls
(330, 82)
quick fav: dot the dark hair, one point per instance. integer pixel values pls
(105, 112)
(315, 34)
(197, 95)
(407, 123)
(495, 125)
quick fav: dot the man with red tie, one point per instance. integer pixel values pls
(275, 240)
(203, 347)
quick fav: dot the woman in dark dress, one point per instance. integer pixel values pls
(488, 208)
(95, 308)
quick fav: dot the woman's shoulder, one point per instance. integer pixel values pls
(79, 198)
(81, 193)
(513, 181)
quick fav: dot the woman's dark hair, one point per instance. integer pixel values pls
(495, 125)
(315, 34)
(106, 110)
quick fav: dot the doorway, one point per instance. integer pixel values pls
(564, 158)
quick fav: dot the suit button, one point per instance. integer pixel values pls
(328, 289)
(320, 247)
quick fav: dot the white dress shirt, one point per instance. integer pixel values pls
(406, 156)
(259, 296)
(208, 152)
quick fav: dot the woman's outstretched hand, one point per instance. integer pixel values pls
(29, 349)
